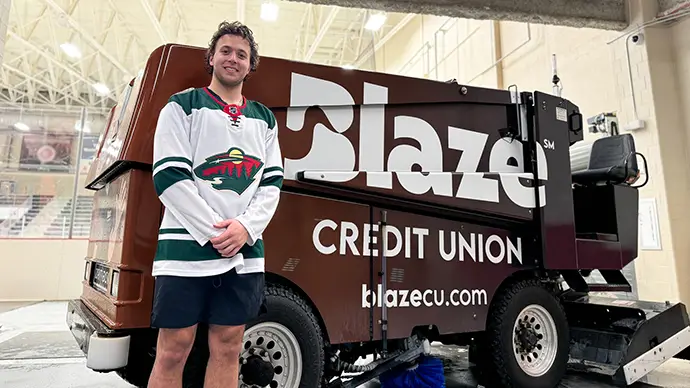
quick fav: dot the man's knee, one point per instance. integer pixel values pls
(225, 341)
(174, 346)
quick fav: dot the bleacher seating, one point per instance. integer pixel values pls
(54, 221)
(12, 200)
(11, 206)
(38, 202)
(59, 227)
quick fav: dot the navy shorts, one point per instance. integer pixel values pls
(230, 299)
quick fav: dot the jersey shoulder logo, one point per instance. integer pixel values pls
(232, 170)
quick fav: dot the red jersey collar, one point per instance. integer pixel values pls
(227, 108)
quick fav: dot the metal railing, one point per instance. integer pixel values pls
(13, 209)
(50, 218)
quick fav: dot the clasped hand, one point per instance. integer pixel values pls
(232, 239)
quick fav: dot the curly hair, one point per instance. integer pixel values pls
(237, 29)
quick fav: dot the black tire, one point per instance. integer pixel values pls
(140, 361)
(285, 307)
(288, 309)
(138, 377)
(495, 358)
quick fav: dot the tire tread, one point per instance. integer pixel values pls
(281, 291)
(494, 364)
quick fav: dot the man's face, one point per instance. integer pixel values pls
(230, 61)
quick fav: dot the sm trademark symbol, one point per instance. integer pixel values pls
(549, 145)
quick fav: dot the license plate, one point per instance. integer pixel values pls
(99, 277)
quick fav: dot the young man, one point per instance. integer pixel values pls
(218, 172)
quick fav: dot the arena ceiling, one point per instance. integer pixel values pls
(64, 54)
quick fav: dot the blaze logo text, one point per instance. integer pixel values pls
(333, 151)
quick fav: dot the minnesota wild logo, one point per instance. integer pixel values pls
(232, 170)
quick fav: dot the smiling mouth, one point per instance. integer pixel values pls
(231, 69)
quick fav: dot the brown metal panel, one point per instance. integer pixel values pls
(443, 272)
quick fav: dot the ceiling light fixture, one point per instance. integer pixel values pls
(77, 127)
(269, 12)
(71, 50)
(101, 89)
(348, 67)
(21, 126)
(375, 22)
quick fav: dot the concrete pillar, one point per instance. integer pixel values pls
(4, 21)
(654, 98)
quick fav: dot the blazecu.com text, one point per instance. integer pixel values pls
(396, 298)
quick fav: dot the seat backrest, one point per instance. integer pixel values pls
(614, 151)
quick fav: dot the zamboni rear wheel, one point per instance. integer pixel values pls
(526, 343)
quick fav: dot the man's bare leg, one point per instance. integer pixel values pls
(172, 351)
(224, 345)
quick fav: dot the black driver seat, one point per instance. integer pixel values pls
(612, 161)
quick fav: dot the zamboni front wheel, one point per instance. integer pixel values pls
(290, 338)
(526, 343)
(283, 348)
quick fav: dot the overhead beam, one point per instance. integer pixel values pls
(344, 43)
(360, 37)
(47, 56)
(87, 37)
(184, 31)
(301, 37)
(391, 33)
(602, 14)
(126, 24)
(241, 11)
(154, 20)
(50, 108)
(322, 32)
(28, 77)
(54, 61)
(305, 28)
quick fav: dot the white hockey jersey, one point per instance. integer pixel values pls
(213, 162)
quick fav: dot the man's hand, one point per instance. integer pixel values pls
(234, 237)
